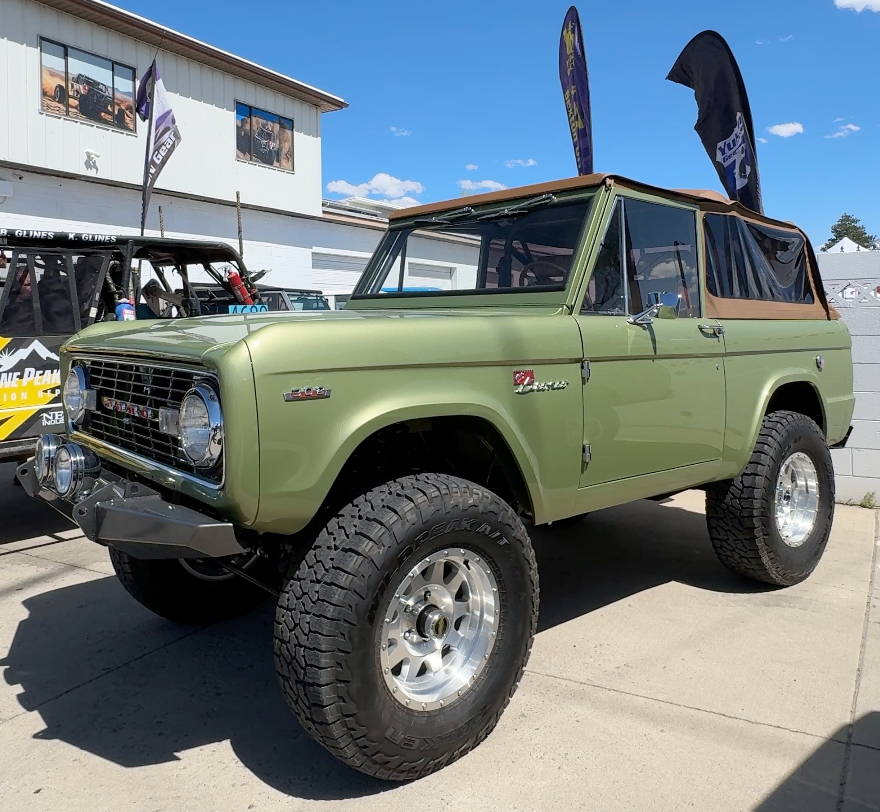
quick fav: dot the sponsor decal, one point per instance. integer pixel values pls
(309, 393)
(735, 156)
(131, 409)
(30, 381)
(69, 236)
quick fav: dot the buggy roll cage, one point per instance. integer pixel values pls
(161, 252)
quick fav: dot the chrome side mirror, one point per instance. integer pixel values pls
(663, 306)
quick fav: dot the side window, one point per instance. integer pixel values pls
(19, 316)
(605, 288)
(746, 260)
(661, 255)
(50, 293)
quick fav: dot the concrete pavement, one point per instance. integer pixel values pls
(658, 681)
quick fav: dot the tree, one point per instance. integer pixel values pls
(850, 226)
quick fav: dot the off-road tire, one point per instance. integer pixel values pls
(740, 513)
(163, 586)
(60, 94)
(329, 616)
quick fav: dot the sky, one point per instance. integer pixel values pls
(455, 96)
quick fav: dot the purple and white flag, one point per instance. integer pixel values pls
(576, 90)
(162, 136)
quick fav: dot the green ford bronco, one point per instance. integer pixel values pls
(555, 350)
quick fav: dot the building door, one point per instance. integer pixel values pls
(655, 397)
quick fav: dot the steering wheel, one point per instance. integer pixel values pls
(538, 269)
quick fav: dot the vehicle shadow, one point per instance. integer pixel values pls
(199, 686)
(619, 552)
(816, 784)
(24, 517)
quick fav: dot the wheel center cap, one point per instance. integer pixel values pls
(432, 623)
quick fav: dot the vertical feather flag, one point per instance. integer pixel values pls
(576, 90)
(724, 119)
(162, 134)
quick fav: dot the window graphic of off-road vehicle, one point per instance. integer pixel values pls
(265, 144)
(93, 97)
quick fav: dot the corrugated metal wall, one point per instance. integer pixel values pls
(203, 100)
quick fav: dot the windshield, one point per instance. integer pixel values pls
(525, 247)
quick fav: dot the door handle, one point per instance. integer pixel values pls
(716, 329)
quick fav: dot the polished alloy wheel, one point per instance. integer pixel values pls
(438, 629)
(797, 499)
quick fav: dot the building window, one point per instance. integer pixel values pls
(81, 85)
(263, 138)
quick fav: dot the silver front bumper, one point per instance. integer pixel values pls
(136, 519)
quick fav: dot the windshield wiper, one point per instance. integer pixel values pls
(520, 208)
(445, 218)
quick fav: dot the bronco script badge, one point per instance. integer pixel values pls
(309, 393)
(524, 382)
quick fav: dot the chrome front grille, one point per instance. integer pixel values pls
(147, 387)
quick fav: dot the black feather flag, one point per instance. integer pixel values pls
(724, 120)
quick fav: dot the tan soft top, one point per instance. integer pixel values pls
(706, 198)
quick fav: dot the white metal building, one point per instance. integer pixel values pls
(67, 162)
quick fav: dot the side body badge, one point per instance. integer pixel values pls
(309, 393)
(524, 382)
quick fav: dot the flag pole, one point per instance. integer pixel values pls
(149, 147)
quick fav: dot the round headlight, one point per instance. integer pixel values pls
(44, 453)
(62, 471)
(75, 394)
(201, 426)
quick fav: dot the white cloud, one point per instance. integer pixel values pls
(477, 185)
(403, 202)
(758, 42)
(471, 167)
(859, 5)
(786, 130)
(786, 39)
(763, 140)
(845, 130)
(399, 131)
(839, 118)
(382, 184)
(520, 162)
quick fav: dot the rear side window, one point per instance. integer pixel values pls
(747, 260)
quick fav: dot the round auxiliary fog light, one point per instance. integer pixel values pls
(44, 454)
(75, 470)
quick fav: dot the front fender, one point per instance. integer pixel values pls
(298, 469)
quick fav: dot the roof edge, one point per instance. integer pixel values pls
(157, 35)
(707, 199)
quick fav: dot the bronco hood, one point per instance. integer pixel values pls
(189, 339)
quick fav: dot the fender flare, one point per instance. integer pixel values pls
(521, 454)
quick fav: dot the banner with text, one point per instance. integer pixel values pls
(162, 135)
(724, 119)
(576, 90)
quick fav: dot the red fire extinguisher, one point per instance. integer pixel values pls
(239, 290)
